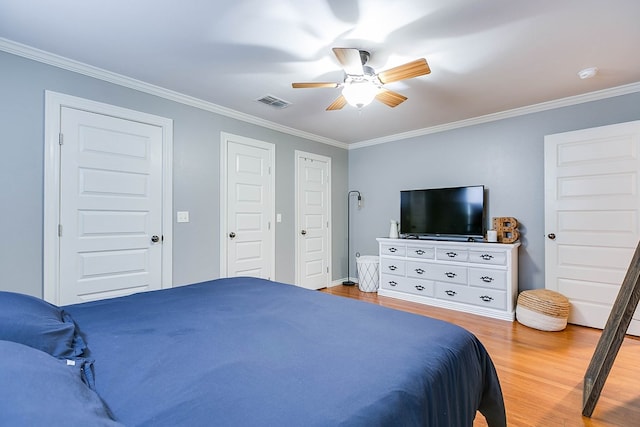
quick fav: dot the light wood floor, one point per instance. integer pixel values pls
(541, 373)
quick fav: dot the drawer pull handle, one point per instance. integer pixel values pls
(486, 279)
(486, 298)
(450, 293)
(420, 287)
(486, 257)
(393, 268)
(419, 271)
(420, 252)
(393, 283)
(452, 254)
(450, 275)
(392, 250)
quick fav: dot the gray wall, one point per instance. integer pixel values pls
(195, 175)
(506, 156)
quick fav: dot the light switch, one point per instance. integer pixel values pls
(183, 216)
(278, 217)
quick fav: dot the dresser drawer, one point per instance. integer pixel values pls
(392, 266)
(488, 298)
(449, 254)
(447, 273)
(452, 292)
(420, 270)
(395, 250)
(421, 252)
(488, 257)
(420, 287)
(390, 281)
(487, 278)
(467, 295)
(404, 284)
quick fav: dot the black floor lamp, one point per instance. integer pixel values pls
(350, 282)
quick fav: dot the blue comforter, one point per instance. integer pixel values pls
(250, 352)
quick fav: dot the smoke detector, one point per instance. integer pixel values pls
(587, 73)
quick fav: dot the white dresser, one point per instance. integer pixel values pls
(478, 278)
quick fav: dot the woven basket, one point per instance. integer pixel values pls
(543, 309)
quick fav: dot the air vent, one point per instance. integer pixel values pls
(274, 101)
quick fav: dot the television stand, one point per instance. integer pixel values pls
(474, 277)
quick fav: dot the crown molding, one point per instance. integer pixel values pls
(58, 61)
(121, 80)
(535, 108)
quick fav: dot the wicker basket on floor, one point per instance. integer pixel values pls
(542, 309)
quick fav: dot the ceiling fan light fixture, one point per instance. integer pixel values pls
(362, 84)
(359, 93)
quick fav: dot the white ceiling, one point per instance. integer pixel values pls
(486, 56)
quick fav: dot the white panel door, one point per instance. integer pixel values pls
(592, 217)
(313, 225)
(110, 206)
(249, 234)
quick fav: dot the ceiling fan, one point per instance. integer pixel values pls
(362, 84)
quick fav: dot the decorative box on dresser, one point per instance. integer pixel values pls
(474, 277)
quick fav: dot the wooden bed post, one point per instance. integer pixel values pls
(612, 336)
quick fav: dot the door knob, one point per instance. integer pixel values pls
(155, 239)
(303, 232)
(232, 234)
(551, 236)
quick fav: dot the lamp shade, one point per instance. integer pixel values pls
(359, 92)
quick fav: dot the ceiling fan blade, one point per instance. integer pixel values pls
(312, 85)
(416, 68)
(340, 102)
(390, 98)
(350, 60)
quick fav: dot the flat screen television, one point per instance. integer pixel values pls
(456, 213)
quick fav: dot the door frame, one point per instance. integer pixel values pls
(297, 225)
(225, 137)
(54, 102)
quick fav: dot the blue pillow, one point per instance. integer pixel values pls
(31, 321)
(38, 389)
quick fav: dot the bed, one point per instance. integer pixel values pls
(239, 352)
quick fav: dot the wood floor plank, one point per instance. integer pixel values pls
(540, 372)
